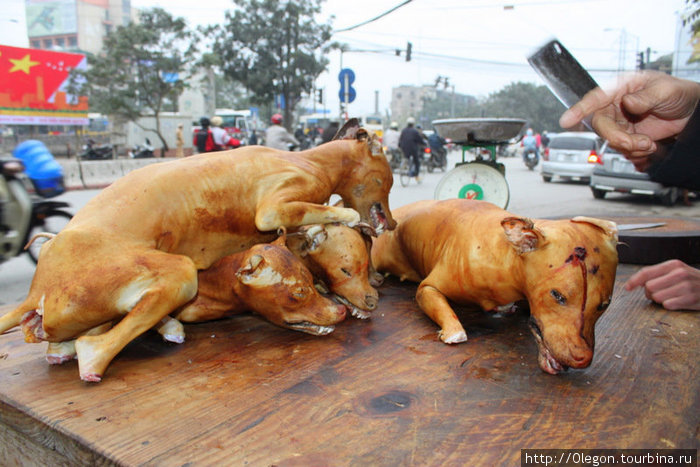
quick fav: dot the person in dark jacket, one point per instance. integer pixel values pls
(203, 138)
(410, 143)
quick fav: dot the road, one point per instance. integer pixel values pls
(529, 197)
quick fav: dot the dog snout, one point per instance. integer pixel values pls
(581, 358)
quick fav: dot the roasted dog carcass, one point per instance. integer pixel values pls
(132, 253)
(471, 251)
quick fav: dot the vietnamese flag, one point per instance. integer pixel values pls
(33, 80)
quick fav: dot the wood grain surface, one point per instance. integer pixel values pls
(382, 392)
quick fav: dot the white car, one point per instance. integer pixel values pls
(617, 174)
(571, 156)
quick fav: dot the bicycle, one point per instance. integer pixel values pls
(404, 171)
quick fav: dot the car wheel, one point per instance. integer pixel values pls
(547, 178)
(598, 194)
(670, 197)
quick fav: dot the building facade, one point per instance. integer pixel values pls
(74, 25)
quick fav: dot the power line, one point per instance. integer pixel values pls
(406, 2)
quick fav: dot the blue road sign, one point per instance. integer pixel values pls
(351, 94)
(346, 78)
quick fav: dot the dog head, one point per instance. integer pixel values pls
(570, 273)
(279, 287)
(338, 255)
(366, 189)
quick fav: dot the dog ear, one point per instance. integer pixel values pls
(315, 236)
(349, 130)
(246, 273)
(522, 234)
(609, 227)
(375, 146)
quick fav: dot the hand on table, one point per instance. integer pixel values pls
(673, 284)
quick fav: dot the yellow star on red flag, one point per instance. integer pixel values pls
(22, 64)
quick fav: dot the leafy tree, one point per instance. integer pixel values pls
(141, 69)
(274, 49)
(536, 104)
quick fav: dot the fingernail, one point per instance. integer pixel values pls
(645, 144)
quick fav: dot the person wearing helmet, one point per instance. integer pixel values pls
(277, 136)
(203, 139)
(530, 144)
(391, 141)
(222, 139)
(410, 142)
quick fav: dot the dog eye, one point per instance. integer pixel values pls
(558, 296)
(603, 305)
(346, 272)
(300, 293)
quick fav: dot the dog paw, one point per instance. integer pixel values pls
(91, 377)
(174, 338)
(453, 338)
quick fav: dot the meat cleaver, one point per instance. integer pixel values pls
(563, 74)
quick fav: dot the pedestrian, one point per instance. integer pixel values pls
(253, 138)
(179, 141)
(653, 119)
(410, 141)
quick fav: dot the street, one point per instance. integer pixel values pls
(529, 197)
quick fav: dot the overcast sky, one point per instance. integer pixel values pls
(480, 45)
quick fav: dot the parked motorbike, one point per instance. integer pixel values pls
(142, 151)
(92, 151)
(23, 215)
(531, 158)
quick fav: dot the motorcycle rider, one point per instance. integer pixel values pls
(221, 137)
(437, 147)
(530, 145)
(277, 136)
(391, 141)
(203, 139)
(410, 143)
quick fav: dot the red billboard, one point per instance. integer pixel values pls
(33, 88)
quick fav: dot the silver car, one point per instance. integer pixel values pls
(617, 174)
(569, 156)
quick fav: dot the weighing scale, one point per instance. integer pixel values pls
(483, 178)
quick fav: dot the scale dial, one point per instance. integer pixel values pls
(474, 180)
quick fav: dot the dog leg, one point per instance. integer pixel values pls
(435, 305)
(174, 284)
(274, 214)
(13, 318)
(61, 352)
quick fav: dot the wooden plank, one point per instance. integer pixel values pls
(379, 392)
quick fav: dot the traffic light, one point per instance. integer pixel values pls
(319, 96)
(409, 46)
(640, 61)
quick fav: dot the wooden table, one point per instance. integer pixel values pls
(377, 392)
